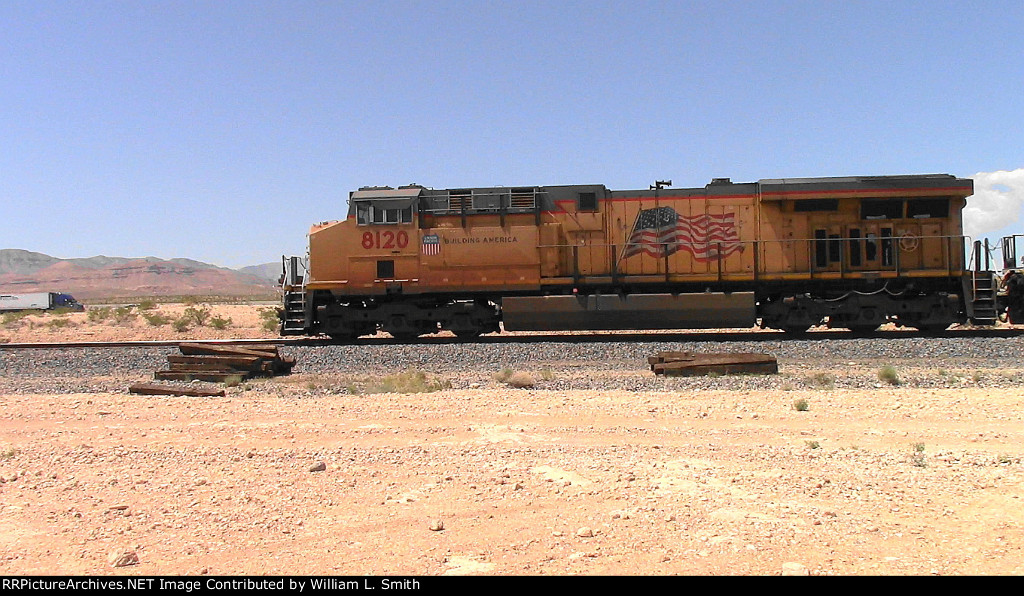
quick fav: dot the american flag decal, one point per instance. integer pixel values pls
(431, 244)
(661, 231)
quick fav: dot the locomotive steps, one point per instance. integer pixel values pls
(688, 364)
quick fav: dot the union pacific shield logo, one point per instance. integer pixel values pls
(431, 244)
(661, 231)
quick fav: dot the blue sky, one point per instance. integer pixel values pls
(221, 130)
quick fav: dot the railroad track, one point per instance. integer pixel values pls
(526, 338)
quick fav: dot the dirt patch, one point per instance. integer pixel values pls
(883, 479)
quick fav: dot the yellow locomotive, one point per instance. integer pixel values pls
(853, 252)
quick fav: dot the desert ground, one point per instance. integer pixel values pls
(594, 468)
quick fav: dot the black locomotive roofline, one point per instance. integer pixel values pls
(553, 198)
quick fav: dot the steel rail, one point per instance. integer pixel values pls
(542, 337)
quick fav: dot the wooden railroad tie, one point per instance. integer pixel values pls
(158, 389)
(221, 362)
(688, 364)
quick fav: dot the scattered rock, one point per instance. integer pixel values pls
(585, 532)
(436, 525)
(318, 467)
(123, 558)
(792, 568)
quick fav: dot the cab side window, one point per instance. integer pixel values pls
(586, 201)
(367, 213)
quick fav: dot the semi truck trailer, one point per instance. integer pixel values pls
(39, 301)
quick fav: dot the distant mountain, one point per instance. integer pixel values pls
(23, 262)
(23, 271)
(271, 271)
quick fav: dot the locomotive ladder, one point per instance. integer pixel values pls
(294, 313)
(981, 308)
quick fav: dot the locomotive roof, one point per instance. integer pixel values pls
(768, 189)
(826, 182)
(857, 179)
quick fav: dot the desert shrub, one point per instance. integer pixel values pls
(823, 380)
(888, 374)
(11, 318)
(917, 455)
(156, 319)
(269, 319)
(521, 380)
(503, 375)
(219, 323)
(812, 444)
(58, 323)
(801, 405)
(147, 304)
(546, 374)
(123, 314)
(8, 453)
(181, 324)
(199, 316)
(410, 381)
(233, 381)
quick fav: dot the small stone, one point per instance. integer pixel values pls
(123, 558)
(585, 532)
(318, 467)
(436, 525)
(792, 568)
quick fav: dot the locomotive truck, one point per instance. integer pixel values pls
(789, 253)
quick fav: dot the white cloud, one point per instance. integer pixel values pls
(996, 204)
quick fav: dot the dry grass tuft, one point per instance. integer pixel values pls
(521, 380)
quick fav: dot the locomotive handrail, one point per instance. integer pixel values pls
(583, 242)
(889, 250)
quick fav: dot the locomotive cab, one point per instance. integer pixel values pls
(386, 227)
(1010, 295)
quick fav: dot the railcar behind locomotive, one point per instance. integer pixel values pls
(853, 252)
